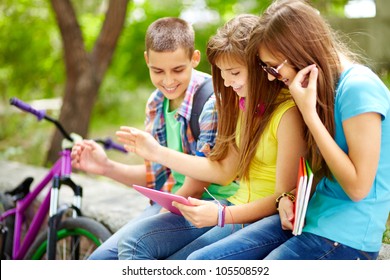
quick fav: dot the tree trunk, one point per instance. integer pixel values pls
(84, 71)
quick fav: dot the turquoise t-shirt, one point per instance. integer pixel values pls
(331, 213)
(174, 142)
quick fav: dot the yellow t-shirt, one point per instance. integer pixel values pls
(262, 173)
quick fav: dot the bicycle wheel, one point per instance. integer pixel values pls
(7, 203)
(77, 238)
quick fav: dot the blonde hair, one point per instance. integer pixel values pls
(295, 31)
(168, 34)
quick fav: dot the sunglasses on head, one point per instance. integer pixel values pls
(274, 71)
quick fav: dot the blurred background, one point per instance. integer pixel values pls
(82, 61)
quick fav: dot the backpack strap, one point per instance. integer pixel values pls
(202, 94)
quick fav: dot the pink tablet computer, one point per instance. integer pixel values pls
(163, 198)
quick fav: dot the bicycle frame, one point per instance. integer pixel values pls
(59, 174)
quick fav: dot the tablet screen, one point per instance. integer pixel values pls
(163, 198)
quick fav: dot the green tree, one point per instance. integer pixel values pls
(84, 70)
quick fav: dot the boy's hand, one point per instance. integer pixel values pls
(139, 142)
(89, 156)
(201, 213)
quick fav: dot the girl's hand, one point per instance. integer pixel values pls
(286, 213)
(202, 213)
(138, 142)
(89, 156)
(304, 90)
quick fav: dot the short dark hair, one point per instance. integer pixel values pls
(169, 34)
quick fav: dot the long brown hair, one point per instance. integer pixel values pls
(262, 100)
(295, 31)
(228, 43)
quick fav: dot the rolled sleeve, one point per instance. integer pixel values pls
(208, 121)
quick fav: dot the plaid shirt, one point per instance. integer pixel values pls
(158, 176)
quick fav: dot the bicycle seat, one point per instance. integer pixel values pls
(21, 190)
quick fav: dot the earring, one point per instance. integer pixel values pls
(241, 103)
(260, 109)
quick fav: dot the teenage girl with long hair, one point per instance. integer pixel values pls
(346, 108)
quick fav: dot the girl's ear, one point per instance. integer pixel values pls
(195, 59)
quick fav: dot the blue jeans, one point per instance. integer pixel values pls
(308, 246)
(265, 239)
(166, 236)
(210, 237)
(109, 249)
(252, 242)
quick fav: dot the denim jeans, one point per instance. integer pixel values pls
(109, 249)
(210, 237)
(252, 242)
(166, 236)
(265, 239)
(308, 246)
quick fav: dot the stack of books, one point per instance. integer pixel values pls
(304, 183)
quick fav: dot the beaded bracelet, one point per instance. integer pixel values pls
(289, 195)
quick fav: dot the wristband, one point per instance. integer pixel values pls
(221, 211)
(289, 195)
(221, 215)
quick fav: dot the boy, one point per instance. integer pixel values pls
(171, 58)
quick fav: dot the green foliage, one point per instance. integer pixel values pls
(327, 8)
(386, 234)
(120, 108)
(22, 138)
(385, 75)
(30, 54)
(90, 25)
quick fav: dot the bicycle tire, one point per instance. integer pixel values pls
(91, 234)
(6, 203)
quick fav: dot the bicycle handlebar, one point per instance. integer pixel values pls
(108, 144)
(40, 114)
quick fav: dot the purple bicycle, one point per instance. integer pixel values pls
(67, 234)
